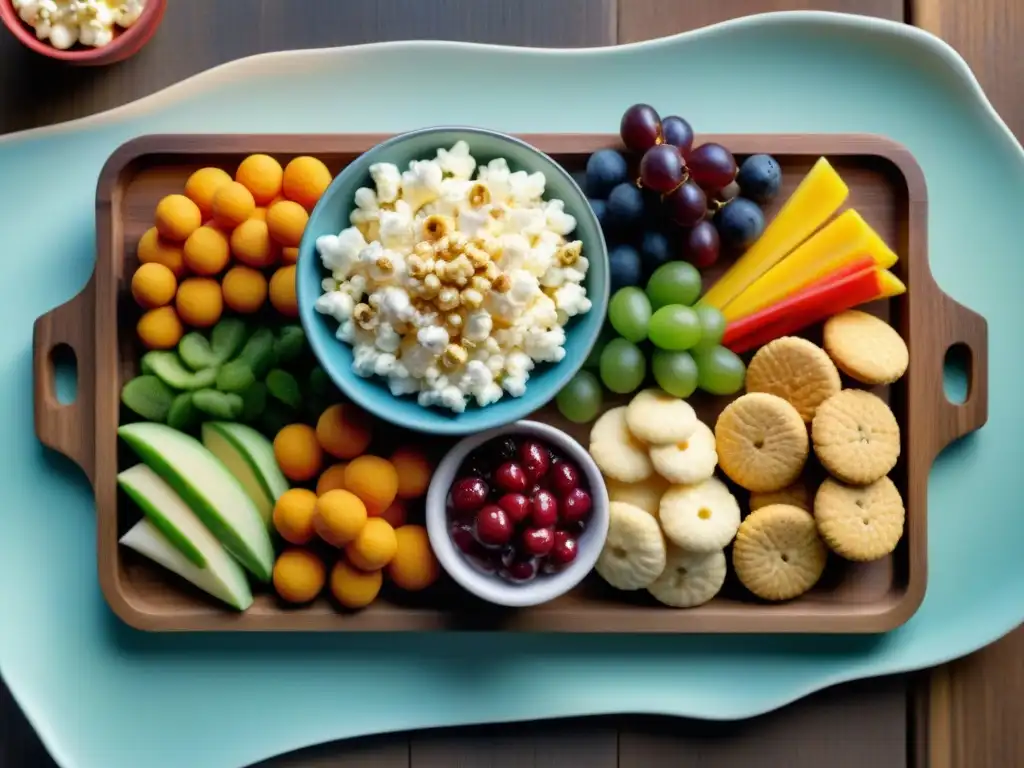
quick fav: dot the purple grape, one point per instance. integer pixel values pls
(701, 245)
(678, 133)
(661, 168)
(640, 127)
(687, 205)
(712, 166)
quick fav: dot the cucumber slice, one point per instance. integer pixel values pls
(283, 386)
(290, 343)
(254, 400)
(209, 490)
(258, 352)
(220, 405)
(149, 397)
(168, 366)
(227, 338)
(183, 415)
(235, 376)
(196, 353)
(249, 456)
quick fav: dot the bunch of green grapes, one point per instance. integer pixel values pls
(684, 342)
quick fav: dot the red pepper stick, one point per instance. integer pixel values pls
(805, 308)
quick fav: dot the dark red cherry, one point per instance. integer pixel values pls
(516, 506)
(468, 495)
(520, 571)
(538, 541)
(564, 477)
(535, 460)
(564, 548)
(510, 477)
(493, 528)
(575, 506)
(543, 509)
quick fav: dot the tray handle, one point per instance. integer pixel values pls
(68, 428)
(951, 324)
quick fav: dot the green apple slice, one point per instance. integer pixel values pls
(221, 577)
(249, 456)
(209, 490)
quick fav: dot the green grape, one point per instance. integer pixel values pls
(629, 312)
(580, 399)
(712, 328)
(675, 372)
(674, 327)
(623, 366)
(720, 371)
(593, 360)
(677, 282)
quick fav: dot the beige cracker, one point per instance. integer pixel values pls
(616, 452)
(796, 495)
(865, 347)
(688, 461)
(658, 418)
(856, 437)
(778, 554)
(796, 370)
(690, 578)
(860, 523)
(761, 441)
(645, 494)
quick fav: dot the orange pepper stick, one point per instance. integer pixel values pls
(814, 303)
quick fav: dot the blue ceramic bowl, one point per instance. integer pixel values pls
(331, 215)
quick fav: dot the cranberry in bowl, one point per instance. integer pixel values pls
(517, 515)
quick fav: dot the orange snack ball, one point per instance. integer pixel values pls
(282, 291)
(160, 328)
(244, 289)
(293, 515)
(305, 180)
(287, 221)
(261, 175)
(289, 255)
(251, 244)
(414, 566)
(414, 471)
(397, 514)
(199, 301)
(299, 575)
(153, 285)
(298, 453)
(344, 431)
(207, 251)
(203, 185)
(232, 204)
(354, 588)
(153, 249)
(374, 547)
(177, 217)
(259, 213)
(374, 480)
(339, 517)
(332, 479)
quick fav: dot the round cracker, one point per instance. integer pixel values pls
(860, 523)
(761, 442)
(616, 452)
(659, 418)
(645, 494)
(856, 437)
(778, 554)
(690, 578)
(689, 461)
(796, 495)
(865, 347)
(634, 549)
(700, 518)
(796, 370)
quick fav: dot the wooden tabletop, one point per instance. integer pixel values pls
(963, 715)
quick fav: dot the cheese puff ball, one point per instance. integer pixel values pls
(287, 221)
(414, 471)
(245, 289)
(177, 217)
(232, 204)
(199, 301)
(261, 175)
(153, 285)
(299, 575)
(298, 453)
(203, 185)
(354, 588)
(374, 480)
(153, 249)
(289, 255)
(293, 515)
(160, 328)
(344, 430)
(374, 547)
(305, 180)
(251, 244)
(282, 291)
(414, 566)
(207, 251)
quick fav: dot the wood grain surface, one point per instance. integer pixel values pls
(975, 716)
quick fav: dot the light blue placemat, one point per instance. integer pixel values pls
(103, 696)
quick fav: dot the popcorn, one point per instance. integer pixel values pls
(388, 180)
(453, 288)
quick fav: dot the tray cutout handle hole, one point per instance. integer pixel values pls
(64, 364)
(957, 373)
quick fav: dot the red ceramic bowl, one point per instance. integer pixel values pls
(126, 42)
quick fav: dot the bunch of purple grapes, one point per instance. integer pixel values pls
(701, 189)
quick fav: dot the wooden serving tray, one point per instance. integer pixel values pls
(886, 186)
